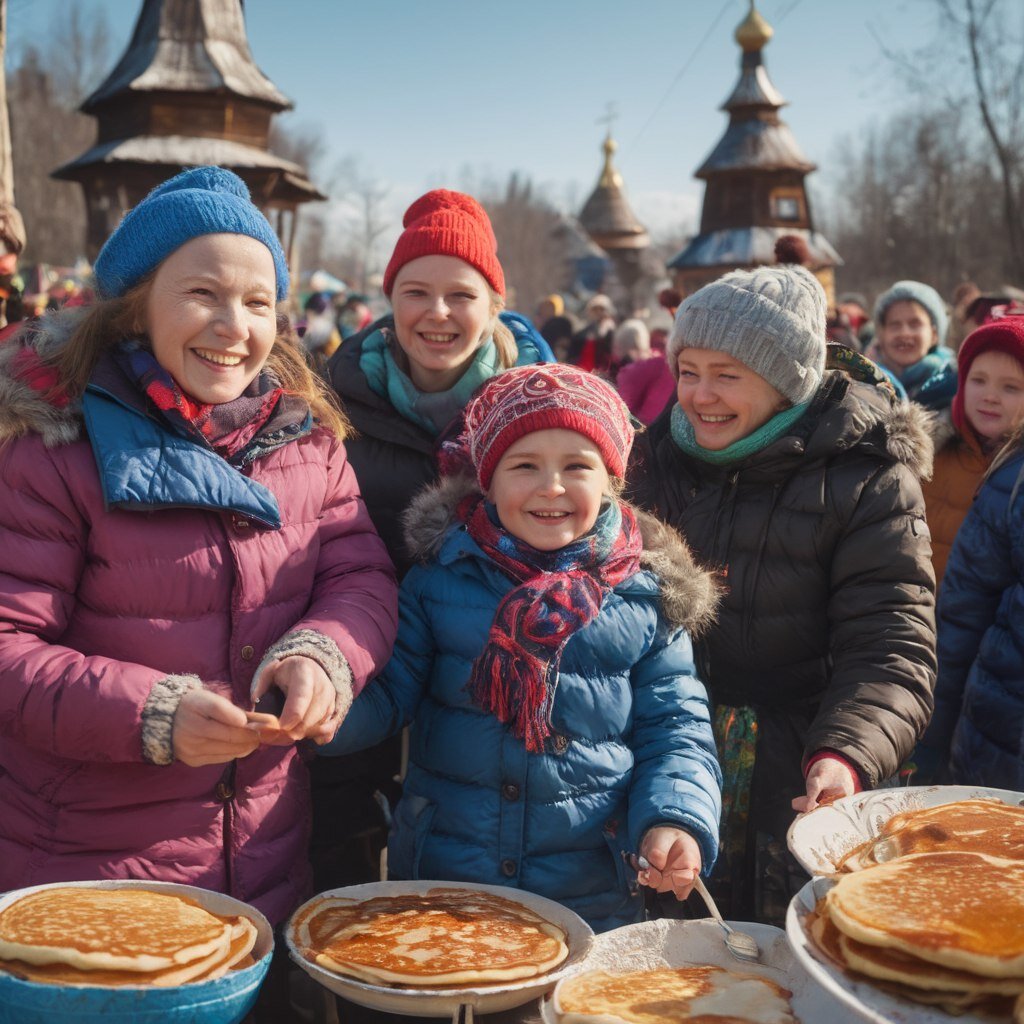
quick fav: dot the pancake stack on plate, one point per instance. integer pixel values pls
(114, 937)
(977, 826)
(942, 928)
(662, 994)
(443, 938)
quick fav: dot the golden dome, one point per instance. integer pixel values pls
(753, 33)
(610, 178)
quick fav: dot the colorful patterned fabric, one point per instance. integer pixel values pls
(735, 731)
(226, 428)
(559, 592)
(552, 396)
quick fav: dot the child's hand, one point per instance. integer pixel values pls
(209, 729)
(675, 860)
(828, 778)
(309, 706)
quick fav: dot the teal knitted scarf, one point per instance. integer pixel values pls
(430, 410)
(683, 435)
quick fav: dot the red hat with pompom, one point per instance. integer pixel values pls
(446, 223)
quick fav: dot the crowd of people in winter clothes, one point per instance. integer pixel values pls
(634, 609)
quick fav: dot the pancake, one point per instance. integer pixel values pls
(215, 965)
(111, 929)
(977, 826)
(961, 910)
(696, 994)
(442, 938)
(908, 977)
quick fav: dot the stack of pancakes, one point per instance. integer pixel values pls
(78, 935)
(933, 908)
(445, 937)
(662, 994)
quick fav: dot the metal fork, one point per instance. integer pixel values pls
(740, 944)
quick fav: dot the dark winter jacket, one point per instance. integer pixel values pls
(827, 626)
(392, 456)
(633, 745)
(979, 698)
(135, 565)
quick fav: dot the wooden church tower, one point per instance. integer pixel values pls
(755, 191)
(186, 92)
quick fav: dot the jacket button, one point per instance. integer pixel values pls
(247, 652)
(510, 791)
(508, 867)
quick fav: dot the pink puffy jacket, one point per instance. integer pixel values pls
(108, 616)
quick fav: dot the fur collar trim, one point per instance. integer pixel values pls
(23, 410)
(689, 594)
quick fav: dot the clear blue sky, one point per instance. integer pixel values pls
(450, 92)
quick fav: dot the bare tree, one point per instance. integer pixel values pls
(364, 213)
(533, 257)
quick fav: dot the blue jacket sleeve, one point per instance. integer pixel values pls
(390, 701)
(676, 776)
(980, 568)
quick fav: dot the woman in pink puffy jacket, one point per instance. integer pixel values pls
(181, 536)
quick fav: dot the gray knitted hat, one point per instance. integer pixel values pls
(924, 295)
(772, 319)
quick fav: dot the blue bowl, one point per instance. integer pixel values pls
(224, 1000)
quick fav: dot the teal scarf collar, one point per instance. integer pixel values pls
(682, 434)
(430, 410)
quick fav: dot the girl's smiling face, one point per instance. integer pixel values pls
(724, 400)
(548, 488)
(443, 312)
(994, 394)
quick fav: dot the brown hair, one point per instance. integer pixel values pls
(111, 321)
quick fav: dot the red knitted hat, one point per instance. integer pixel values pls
(545, 396)
(1003, 335)
(446, 223)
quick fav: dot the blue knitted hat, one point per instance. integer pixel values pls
(924, 295)
(200, 201)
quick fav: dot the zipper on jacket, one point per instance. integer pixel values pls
(225, 793)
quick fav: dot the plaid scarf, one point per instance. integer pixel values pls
(227, 428)
(558, 593)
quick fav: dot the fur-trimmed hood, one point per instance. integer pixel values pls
(858, 415)
(23, 409)
(689, 594)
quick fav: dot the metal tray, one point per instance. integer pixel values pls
(427, 1002)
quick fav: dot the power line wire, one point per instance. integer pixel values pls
(682, 71)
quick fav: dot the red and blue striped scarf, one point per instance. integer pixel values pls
(558, 593)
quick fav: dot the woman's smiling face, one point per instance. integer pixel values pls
(443, 311)
(724, 400)
(211, 315)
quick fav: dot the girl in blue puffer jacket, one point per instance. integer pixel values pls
(976, 736)
(545, 663)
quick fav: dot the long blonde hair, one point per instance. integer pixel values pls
(504, 339)
(111, 321)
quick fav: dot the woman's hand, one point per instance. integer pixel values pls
(209, 729)
(828, 778)
(310, 699)
(675, 860)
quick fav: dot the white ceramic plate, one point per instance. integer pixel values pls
(866, 1000)
(430, 1002)
(686, 943)
(819, 840)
